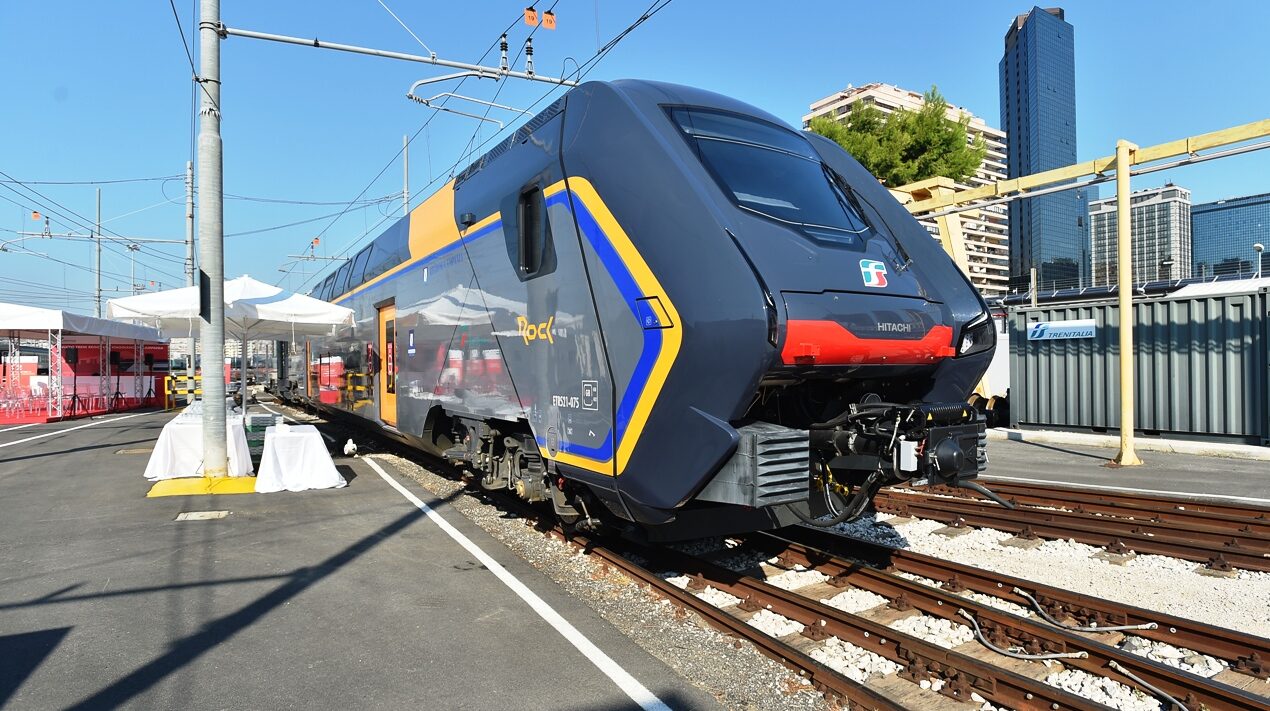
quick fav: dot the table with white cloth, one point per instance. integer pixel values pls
(179, 451)
(295, 459)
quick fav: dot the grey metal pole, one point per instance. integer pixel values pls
(189, 258)
(490, 72)
(97, 267)
(211, 243)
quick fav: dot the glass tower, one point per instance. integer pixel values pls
(1223, 232)
(1038, 114)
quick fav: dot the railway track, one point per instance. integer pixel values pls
(1120, 524)
(1002, 681)
(1245, 653)
(965, 675)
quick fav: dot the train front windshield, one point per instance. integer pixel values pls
(769, 170)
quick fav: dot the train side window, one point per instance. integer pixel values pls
(324, 291)
(531, 219)
(356, 277)
(341, 280)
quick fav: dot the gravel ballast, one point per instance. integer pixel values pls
(1150, 581)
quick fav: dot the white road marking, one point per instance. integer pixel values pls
(1078, 485)
(627, 683)
(10, 429)
(71, 429)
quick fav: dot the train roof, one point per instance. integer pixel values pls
(642, 94)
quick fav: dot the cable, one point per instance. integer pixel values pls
(78, 220)
(393, 160)
(407, 29)
(1017, 655)
(368, 201)
(1120, 668)
(279, 227)
(1041, 611)
(93, 182)
(190, 55)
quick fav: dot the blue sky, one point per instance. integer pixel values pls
(101, 91)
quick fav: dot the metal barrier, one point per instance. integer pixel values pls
(191, 388)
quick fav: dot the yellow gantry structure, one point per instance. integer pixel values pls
(932, 195)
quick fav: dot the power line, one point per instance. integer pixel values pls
(92, 182)
(69, 222)
(393, 160)
(289, 224)
(582, 71)
(190, 55)
(280, 201)
(406, 28)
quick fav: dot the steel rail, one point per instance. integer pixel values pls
(823, 679)
(1005, 629)
(919, 659)
(1192, 512)
(1253, 541)
(1117, 535)
(1245, 652)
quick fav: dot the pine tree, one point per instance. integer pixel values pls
(907, 146)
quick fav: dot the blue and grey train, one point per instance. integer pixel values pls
(663, 311)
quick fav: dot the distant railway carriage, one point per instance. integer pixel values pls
(662, 309)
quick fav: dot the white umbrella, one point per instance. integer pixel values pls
(253, 309)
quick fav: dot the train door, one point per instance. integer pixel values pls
(387, 382)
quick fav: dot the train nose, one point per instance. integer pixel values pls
(849, 328)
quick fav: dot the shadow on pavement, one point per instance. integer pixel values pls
(23, 654)
(1064, 450)
(185, 650)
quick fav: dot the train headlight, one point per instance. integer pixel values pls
(977, 336)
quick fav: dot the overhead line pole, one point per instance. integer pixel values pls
(189, 255)
(1127, 456)
(211, 237)
(97, 260)
(405, 178)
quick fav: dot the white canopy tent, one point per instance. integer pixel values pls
(253, 310)
(19, 322)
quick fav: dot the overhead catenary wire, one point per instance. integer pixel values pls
(72, 221)
(654, 8)
(112, 181)
(393, 160)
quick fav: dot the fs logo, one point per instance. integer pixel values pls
(1038, 332)
(535, 331)
(874, 272)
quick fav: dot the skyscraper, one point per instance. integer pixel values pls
(1038, 114)
(1224, 232)
(1160, 228)
(987, 250)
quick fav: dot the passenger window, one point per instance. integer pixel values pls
(531, 221)
(341, 280)
(356, 277)
(324, 291)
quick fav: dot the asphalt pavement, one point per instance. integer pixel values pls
(334, 599)
(1165, 472)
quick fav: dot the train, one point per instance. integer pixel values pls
(663, 312)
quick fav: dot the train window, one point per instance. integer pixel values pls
(389, 250)
(771, 171)
(323, 292)
(357, 276)
(531, 221)
(341, 280)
